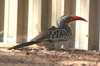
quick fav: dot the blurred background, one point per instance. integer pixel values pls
(22, 20)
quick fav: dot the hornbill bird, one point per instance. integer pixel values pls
(62, 32)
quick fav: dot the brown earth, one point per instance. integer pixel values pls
(70, 57)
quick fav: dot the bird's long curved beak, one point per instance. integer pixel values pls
(79, 18)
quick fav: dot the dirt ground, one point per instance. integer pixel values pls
(70, 57)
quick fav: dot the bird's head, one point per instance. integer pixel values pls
(67, 19)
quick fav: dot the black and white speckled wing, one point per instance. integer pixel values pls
(54, 34)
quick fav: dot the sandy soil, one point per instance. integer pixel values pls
(70, 57)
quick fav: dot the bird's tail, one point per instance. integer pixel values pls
(24, 44)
